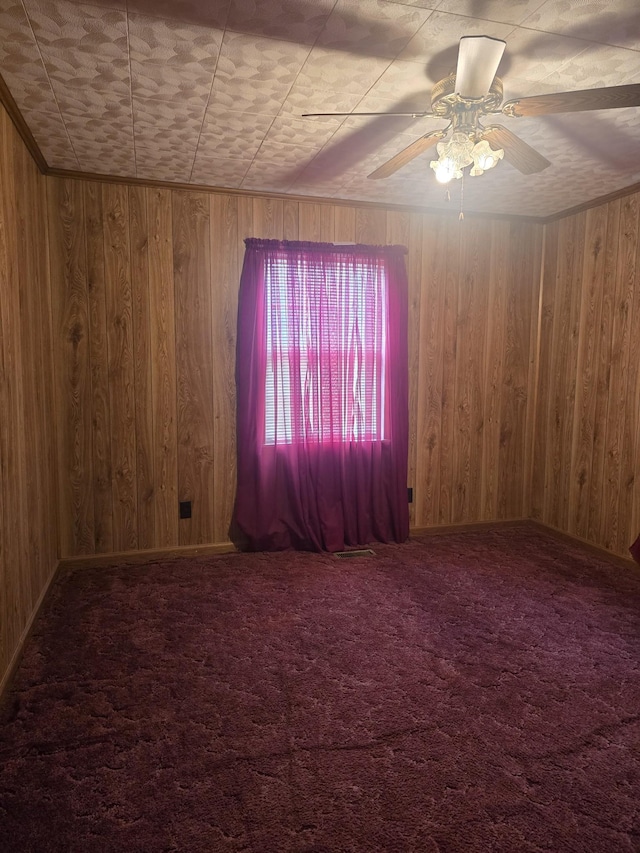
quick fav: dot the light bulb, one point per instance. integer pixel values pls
(484, 157)
(444, 169)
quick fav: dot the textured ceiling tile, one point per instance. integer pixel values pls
(403, 80)
(532, 55)
(300, 21)
(231, 134)
(170, 84)
(273, 178)
(243, 58)
(82, 71)
(173, 43)
(201, 13)
(107, 135)
(254, 96)
(176, 156)
(60, 25)
(100, 104)
(286, 157)
(341, 72)
(99, 161)
(15, 26)
(20, 59)
(598, 65)
(510, 12)
(171, 169)
(219, 171)
(615, 22)
(166, 117)
(31, 96)
(371, 27)
(175, 142)
(416, 102)
(109, 4)
(21, 63)
(301, 132)
(302, 99)
(45, 124)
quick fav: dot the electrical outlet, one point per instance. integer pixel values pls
(184, 508)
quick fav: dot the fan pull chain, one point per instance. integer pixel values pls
(461, 214)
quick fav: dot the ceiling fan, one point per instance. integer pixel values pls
(472, 93)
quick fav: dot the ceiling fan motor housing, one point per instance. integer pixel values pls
(464, 113)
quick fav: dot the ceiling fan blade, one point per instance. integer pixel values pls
(407, 154)
(607, 98)
(525, 158)
(478, 60)
(333, 115)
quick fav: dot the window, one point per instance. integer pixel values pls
(325, 350)
(322, 396)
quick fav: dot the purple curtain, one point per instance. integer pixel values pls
(635, 550)
(322, 391)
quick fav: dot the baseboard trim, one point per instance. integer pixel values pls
(7, 676)
(596, 550)
(466, 527)
(125, 558)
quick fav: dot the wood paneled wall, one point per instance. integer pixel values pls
(28, 543)
(587, 426)
(145, 285)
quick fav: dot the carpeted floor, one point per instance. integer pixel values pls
(464, 693)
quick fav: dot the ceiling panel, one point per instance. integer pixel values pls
(212, 93)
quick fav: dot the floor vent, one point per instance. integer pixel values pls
(363, 552)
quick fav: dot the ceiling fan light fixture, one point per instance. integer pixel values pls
(453, 156)
(484, 157)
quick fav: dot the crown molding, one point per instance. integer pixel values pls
(6, 99)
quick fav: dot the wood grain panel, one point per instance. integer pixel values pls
(586, 370)
(629, 500)
(28, 524)
(224, 285)
(268, 218)
(542, 427)
(448, 427)
(399, 227)
(33, 442)
(499, 286)
(564, 359)
(290, 220)
(72, 362)
(589, 383)
(469, 378)
(427, 308)
(606, 283)
(309, 222)
(515, 383)
(619, 272)
(194, 361)
(121, 366)
(534, 356)
(141, 328)
(370, 226)
(13, 547)
(99, 368)
(345, 225)
(163, 367)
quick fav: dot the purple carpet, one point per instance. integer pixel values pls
(460, 693)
